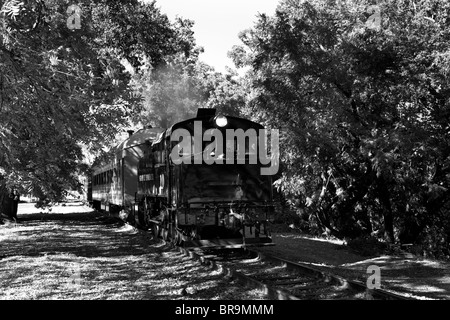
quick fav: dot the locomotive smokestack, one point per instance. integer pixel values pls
(206, 112)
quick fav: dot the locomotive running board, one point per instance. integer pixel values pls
(229, 243)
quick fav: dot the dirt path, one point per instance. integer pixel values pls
(85, 255)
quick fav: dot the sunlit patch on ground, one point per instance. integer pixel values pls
(409, 276)
(298, 236)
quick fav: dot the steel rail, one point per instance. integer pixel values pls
(357, 285)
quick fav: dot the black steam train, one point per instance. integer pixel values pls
(198, 183)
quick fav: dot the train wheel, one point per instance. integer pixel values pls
(146, 214)
(165, 234)
(155, 230)
(179, 241)
(165, 231)
(173, 232)
(174, 235)
(173, 238)
(141, 218)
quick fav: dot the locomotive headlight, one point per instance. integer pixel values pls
(221, 121)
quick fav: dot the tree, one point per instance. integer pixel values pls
(62, 87)
(361, 95)
(227, 93)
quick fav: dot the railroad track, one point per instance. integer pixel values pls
(281, 279)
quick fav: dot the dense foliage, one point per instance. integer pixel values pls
(64, 84)
(362, 96)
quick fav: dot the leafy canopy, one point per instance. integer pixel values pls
(62, 88)
(361, 92)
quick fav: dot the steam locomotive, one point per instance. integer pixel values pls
(198, 183)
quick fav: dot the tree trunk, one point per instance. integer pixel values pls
(388, 216)
(324, 220)
(389, 224)
(5, 202)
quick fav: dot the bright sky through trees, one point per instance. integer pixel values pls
(217, 23)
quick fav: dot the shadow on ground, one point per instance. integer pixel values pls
(83, 234)
(93, 256)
